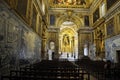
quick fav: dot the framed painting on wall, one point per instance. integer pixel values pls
(110, 27)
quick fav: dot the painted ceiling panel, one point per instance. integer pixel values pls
(70, 3)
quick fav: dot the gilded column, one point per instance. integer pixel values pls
(43, 50)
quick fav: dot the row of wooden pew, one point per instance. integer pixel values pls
(49, 70)
(96, 69)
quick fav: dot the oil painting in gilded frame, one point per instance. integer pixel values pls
(110, 27)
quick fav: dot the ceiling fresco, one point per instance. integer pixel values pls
(69, 3)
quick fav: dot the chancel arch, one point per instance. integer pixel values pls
(77, 19)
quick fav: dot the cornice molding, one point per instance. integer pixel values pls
(63, 10)
(85, 30)
(53, 29)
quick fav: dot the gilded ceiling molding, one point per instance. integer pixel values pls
(82, 11)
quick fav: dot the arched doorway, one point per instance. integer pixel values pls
(68, 41)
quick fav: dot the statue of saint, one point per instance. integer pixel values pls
(66, 40)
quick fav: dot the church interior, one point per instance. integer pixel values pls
(59, 39)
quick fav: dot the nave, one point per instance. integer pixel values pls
(30, 29)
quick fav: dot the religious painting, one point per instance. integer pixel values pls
(52, 19)
(96, 15)
(67, 3)
(22, 7)
(110, 27)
